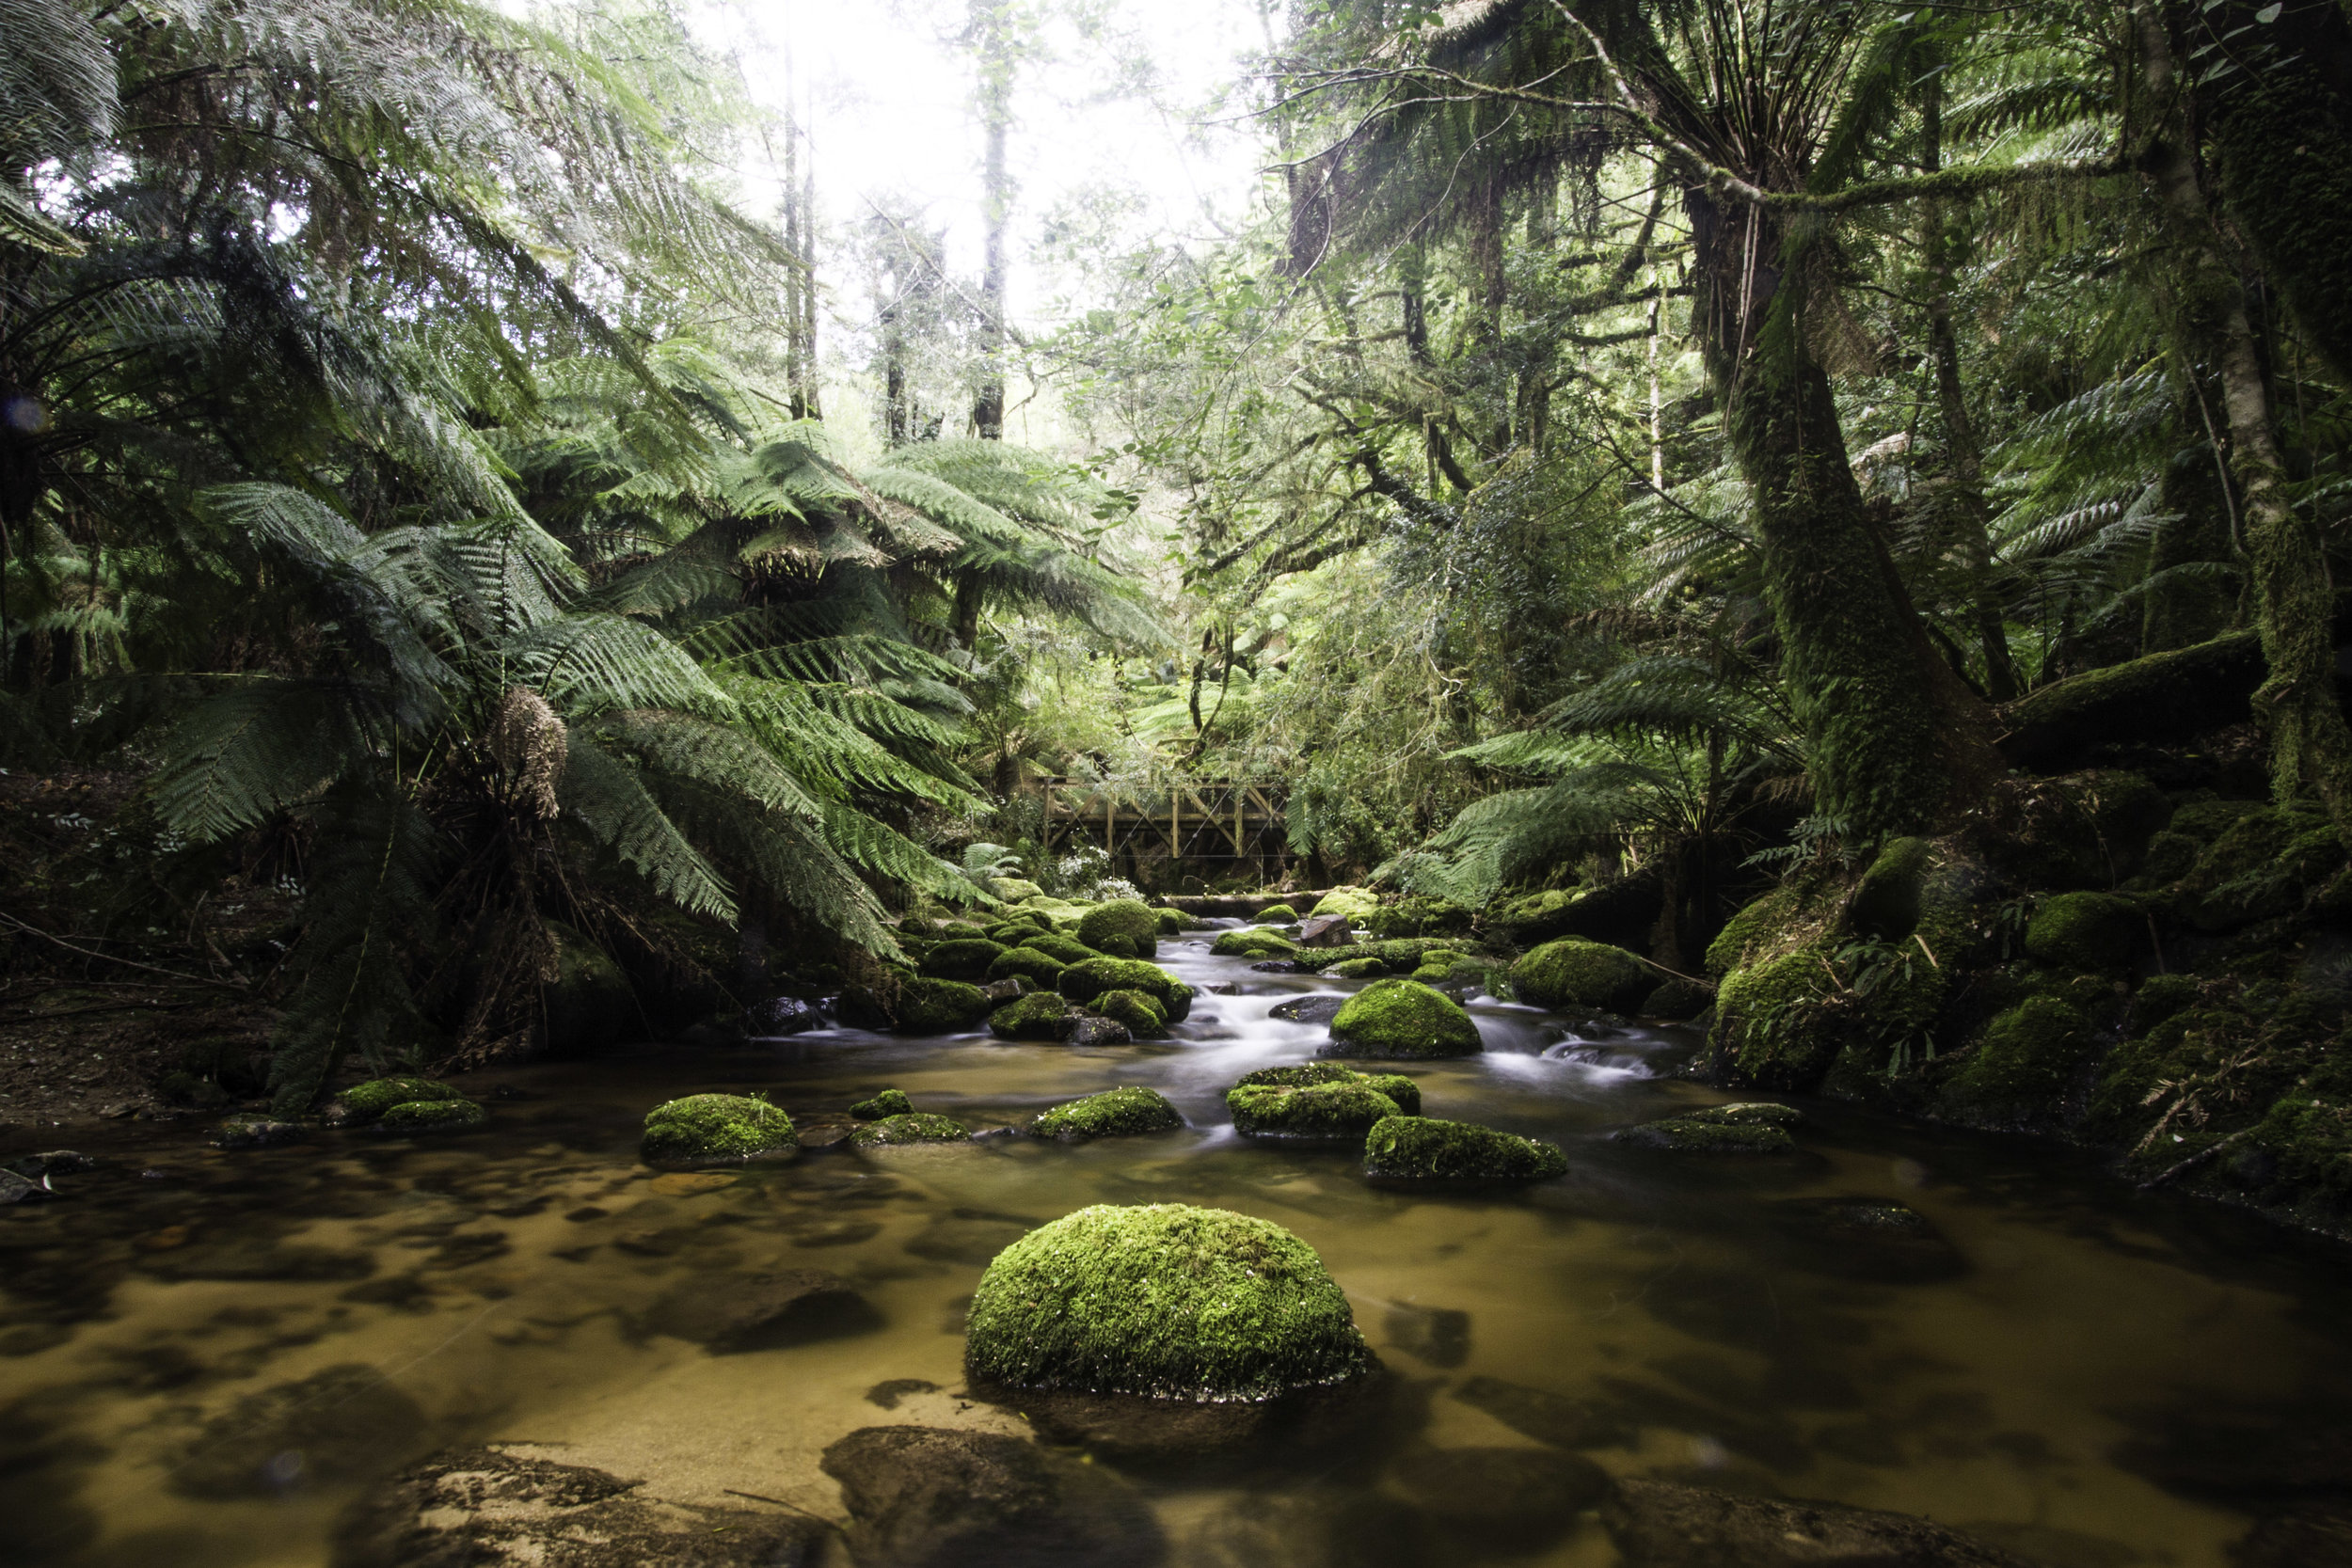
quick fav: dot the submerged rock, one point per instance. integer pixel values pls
(886, 1103)
(1308, 1009)
(1099, 1031)
(1423, 1148)
(1695, 1135)
(716, 1126)
(1114, 1113)
(1404, 1020)
(363, 1103)
(1866, 1238)
(930, 1497)
(1320, 1103)
(1440, 1336)
(1503, 1499)
(502, 1507)
(15, 1189)
(911, 1127)
(420, 1117)
(1658, 1524)
(338, 1425)
(257, 1133)
(55, 1162)
(1548, 1418)
(1165, 1302)
(730, 1313)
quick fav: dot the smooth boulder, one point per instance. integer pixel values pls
(931, 1497)
(1112, 1114)
(1402, 1020)
(1318, 1102)
(716, 1126)
(1573, 973)
(1424, 1149)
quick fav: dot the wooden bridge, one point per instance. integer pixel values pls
(1227, 822)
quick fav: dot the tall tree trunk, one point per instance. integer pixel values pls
(2311, 745)
(991, 37)
(1897, 741)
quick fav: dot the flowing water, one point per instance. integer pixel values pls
(204, 1356)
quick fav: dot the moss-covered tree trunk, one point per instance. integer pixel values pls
(1894, 736)
(2311, 745)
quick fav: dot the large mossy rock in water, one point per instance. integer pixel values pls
(1042, 1014)
(1352, 902)
(1122, 928)
(1042, 970)
(1318, 1102)
(1084, 982)
(932, 1006)
(1165, 1302)
(363, 1104)
(716, 1126)
(1250, 941)
(1573, 973)
(1112, 1114)
(1423, 1148)
(965, 959)
(917, 1126)
(1143, 1015)
(1402, 1020)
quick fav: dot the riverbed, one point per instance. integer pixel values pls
(205, 1357)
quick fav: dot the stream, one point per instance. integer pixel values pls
(204, 1356)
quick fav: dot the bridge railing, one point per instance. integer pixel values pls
(1205, 820)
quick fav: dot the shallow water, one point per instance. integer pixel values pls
(2076, 1345)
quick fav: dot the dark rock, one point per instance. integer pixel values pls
(1280, 966)
(886, 1102)
(1677, 999)
(969, 1236)
(336, 1426)
(2312, 1534)
(1440, 1336)
(2237, 1454)
(1547, 1416)
(1324, 930)
(763, 1311)
(927, 1497)
(1506, 1499)
(889, 1393)
(256, 1257)
(491, 1507)
(257, 1133)
(1099, 1031)
(779, 1016)
(1660, 1525)
(57, 1162)
(1323, 1528)
(1224, 988)
(1309, 1009)
(1010, 989)
(1858, 1238)
(14, 1189)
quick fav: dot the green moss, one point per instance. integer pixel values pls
(2261, 867)
(1748, 1113)
(1068, 950)
(1341, 1112)
(1418, 916)
(964, 959)
(1532, 916)
(1173, 921)
(888, 1102)
(1083, 982)
(2170, 856)
(1041, 969)
(1142, 1016)
(1122, 928)
(1402, 955)
(1754, 928)
(1042, 1014)
(1573, 973)
(2025, 1066)
(716, 1126)
(1167, 1302)
(2160, 997)
(1401, 1019)
(2206, 820)
(1421, 1148)
(1404, 1091)
(914, 1127)
(1113, 1113)
(927, 1006)
(1353, 902)
(1692, 1134)
(1676, 998)
(2090, 932)
(2309, 1139)
(1014, 890)
(1245, 942)
(1358, 969)
(432, 1115)
(363, 1103)
(1886, 903)
(1278, 914)
(1773, 1027)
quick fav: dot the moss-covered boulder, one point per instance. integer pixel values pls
(2265, 864)
(2024, 1068)
(1278, 914)
(2161, 997)
(1776, 1025)
(1042, 1014)
(1018, 927)
(1417, 915)
(1676, 999)
(1083, 982)
(1422, 1148)
(363, 1104)
(1067, 949)
(1318, 1102)
(966, 958)
(1113, 1113)
(1167, 1302)
(886, 1103)
(1352, 902)
(1404, 1020)
(1531, 917)
(1175, 922)
(917, 1126)
(1014, 890)
(1760, 926)
(716, 1126)
(1144, 1018)
(1124, 929)
(1573, 973)
(1886, 903)
(416, 1117)
(2095, 933)
(927, 1005)
(1250, 941)
(1042, 970)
